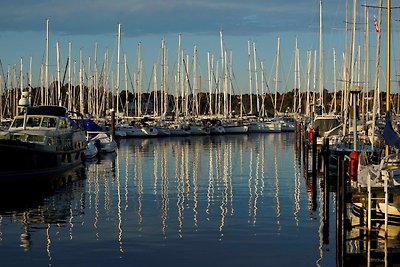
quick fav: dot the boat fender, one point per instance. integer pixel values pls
(311, 134)
(353, 166)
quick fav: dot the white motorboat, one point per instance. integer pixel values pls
(104, 141)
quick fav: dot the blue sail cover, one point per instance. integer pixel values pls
(389, 134)
(89, 125)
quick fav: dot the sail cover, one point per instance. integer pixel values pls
(389, 134)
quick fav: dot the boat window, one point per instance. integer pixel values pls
(63, 123)
(33, 122)
(49, 122)
(18, 122)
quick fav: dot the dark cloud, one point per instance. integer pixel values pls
(141, 17)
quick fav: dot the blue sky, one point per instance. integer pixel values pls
(87, 22)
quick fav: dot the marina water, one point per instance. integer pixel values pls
(230, 200)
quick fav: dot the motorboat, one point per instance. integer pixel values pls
(103, 141)
(91, 150)
(41, 140)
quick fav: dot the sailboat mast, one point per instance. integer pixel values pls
(276, 77)
(58, 95)
(179, 86)
(195, 88)
(256, 76)
(139, 80)
(321, 59)
(250, 76)
(118, 65)
(126, 86)
(334, 81)
(81, 96)
(307, 111)
(69, 78)
(209, 82)
(388, 56)
(388, 65)
(47, 64)
(155, 92)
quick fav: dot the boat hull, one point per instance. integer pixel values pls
(393, 214)
(24, 159)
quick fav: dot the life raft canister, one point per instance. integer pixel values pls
(353, 166)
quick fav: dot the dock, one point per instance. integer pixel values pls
(364, 240)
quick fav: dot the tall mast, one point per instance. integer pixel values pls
(69, 78)
(179, 85)
(155, 93)
(139, 78)
(298, 77)
(308, 83)
(321, 58)
(276, 77)
(81, 95)
(388, 66)
(58, 95)
(295, 86)
(46, 66)
(388, 56)
(334, 81)
(118, 66)
(262, 108)
(256, 76)
(21, 76)
(195, 88)
(221, 40)
(314, 98)
(366, 63)
(126, 86)
(250, 76)
(164, 79)
(95, 83)
(209, 82)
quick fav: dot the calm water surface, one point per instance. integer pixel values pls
(198, 201)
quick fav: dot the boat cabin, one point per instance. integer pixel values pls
(41, 118)
(325, 123)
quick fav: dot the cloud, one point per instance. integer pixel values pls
(141, 17)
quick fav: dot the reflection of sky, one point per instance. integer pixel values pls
(130, 218)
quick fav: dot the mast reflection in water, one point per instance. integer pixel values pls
(235, 200)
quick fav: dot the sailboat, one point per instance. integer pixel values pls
(324, 124)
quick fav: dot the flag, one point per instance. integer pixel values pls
(376, 24)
